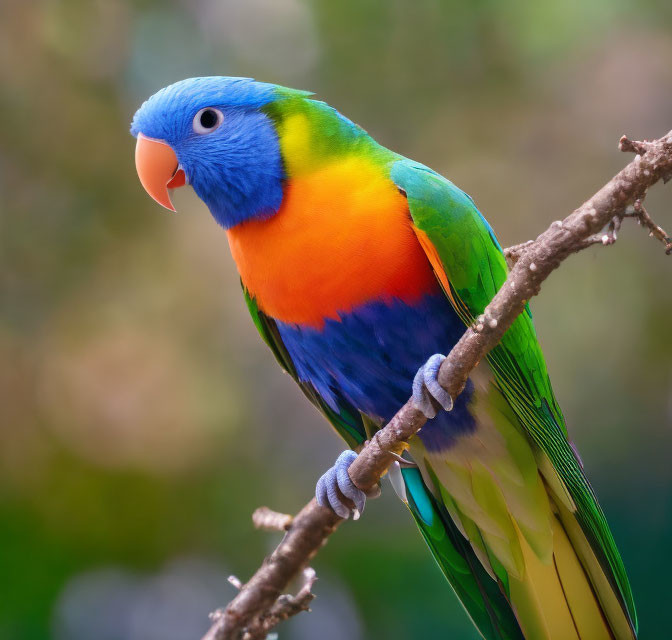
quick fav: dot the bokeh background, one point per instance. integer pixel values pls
(141, 418)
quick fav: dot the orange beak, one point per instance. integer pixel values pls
(158, 169)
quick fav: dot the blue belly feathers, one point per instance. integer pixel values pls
(371, 355)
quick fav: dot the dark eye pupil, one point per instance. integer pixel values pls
(208, 119)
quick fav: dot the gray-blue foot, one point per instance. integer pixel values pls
(335, 485)
(427, 391)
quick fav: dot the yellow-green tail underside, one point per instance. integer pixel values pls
(568, 598)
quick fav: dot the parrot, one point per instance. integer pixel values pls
(360, 269)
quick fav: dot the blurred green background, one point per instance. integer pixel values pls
(141, 418)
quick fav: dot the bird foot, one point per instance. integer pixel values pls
(427, 391)
(336, 491)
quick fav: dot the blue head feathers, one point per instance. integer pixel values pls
(235, 167)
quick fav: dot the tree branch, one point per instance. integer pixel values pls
(534, 261)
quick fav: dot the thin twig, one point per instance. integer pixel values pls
(269, 520)
(314, 524)
(633, 146)
(235, 582)
(655, 231)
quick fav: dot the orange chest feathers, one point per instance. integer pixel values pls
(342, 237)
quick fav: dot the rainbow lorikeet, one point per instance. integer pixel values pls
(359, 267)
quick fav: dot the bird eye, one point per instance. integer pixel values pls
(207, 120)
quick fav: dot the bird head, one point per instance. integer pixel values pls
(215, 134)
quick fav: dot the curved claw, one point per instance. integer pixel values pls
(336, 484)
(426, 388)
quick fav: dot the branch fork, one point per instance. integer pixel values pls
(283, 608)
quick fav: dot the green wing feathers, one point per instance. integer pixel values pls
(474, 268)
